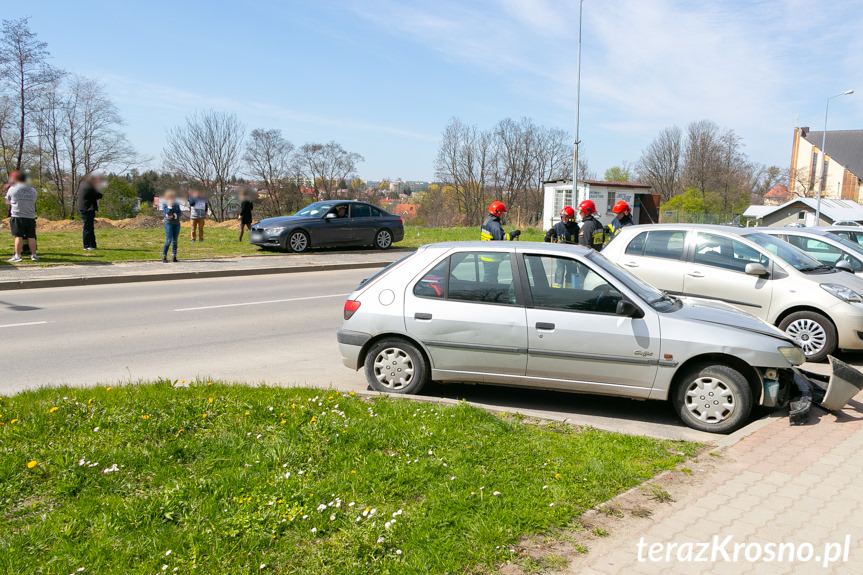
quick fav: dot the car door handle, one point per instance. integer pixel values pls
(544, 326)
(423, 316)
(695, 274)
(631, 264)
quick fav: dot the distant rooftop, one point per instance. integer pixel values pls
(602, 183)
(844, 146)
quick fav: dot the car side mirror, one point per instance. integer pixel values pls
(628, 309)
(755, 269)
(844, 266)
(330, 216)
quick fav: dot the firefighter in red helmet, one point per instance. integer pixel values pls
(592, 232)
(622, 218)
(491, 228)
(566, 230)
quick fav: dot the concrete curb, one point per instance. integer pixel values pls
(153, 277)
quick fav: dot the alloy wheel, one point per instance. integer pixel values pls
(298, 242)
(393, 368)
(710, 400)
(384, 239)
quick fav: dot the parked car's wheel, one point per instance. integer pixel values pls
(713, 397)
(298, 241)
(813, 332)
(383, 239)
(396, 366)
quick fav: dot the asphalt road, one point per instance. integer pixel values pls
(278, 330)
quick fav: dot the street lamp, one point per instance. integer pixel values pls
(821, 181)
(577, 98)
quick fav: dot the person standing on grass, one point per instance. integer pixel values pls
(245, 216)
(21, 198)
(88, 203)
(171, 210)
(198, 213)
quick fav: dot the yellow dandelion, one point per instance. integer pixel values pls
(557, 475)
(179, 431)
(145, 417)
(89, 401)
(284, 421)
(31, 464)
(293, 406)
(352, 394)
(13, 421)
(108, 388)
(211, 383)
(204, 416)
(53, 409)
(247, 413)
(330, 397)
(182, 381)
(354, 471)
(313, 419)
(209, 400)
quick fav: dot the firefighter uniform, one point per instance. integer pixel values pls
(592, 233)
(562, 233)
(492, 231)
(617, 223)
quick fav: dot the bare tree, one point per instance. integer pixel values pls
(207, 150)
(660, 164)
(327, 164)
(702, 156)
(79, 132)
(466, 161)
(268, 158)
(24, 71)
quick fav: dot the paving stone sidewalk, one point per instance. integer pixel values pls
(782, 484)
(16, 277)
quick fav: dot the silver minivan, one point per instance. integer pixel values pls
(562, 317)
(818, 305)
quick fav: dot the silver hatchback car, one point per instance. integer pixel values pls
(565, 318)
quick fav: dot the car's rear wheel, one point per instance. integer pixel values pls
(396, 366)
(713, 397)
(383, 239)
(813, 332)
(298, 241)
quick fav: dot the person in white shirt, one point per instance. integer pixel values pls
(21, 199)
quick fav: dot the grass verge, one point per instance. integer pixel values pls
(221, 479)
(116, 245)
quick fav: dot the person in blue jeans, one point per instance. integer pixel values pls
(171, 210)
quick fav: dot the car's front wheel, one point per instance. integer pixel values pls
(383, 239)
(396, 366)
(813, 332)
(713, 397)
(298, 241)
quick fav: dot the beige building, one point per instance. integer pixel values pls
(844, 166)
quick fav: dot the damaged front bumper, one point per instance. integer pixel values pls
(829, 392)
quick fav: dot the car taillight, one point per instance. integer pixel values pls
(400, 221)
(351, 306)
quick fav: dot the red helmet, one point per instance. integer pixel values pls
(620, 206)
(497, 208)
(568, 211)
(588, 207)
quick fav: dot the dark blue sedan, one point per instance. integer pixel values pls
(330, 224)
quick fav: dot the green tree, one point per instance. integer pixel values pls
(618, 174)
(694, 202)
(119, 200)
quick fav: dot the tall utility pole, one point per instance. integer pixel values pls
(577, 98)
(821, 179)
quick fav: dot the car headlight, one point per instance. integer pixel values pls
(843, 293)
(794, 355)
(274, 231)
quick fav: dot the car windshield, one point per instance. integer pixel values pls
(657, 299)
(848, 244)
(316, 210)
(800, 260)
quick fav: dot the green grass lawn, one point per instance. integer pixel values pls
(117, 245)
(236, 479)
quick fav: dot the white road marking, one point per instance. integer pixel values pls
(261, 302)
(23, 324)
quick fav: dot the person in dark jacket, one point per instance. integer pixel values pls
(88, 203)
(566, 230)
(171, 217)
(245, 216)
(622, 218)
(492, 231)
(592, 232)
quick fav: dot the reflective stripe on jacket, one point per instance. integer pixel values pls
(563, 233)
(592, 233)
(492, 231)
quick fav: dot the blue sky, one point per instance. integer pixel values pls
(382, 77)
